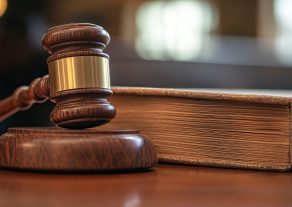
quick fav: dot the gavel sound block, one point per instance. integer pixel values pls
(79, 84)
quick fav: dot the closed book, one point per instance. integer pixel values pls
(234, 129)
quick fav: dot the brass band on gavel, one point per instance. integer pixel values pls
(79, 72)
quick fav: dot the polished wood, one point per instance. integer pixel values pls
(76, 108)
(79, 108)
(75, 150)
(166, 185)
(82, 108)
(23, 97)
(56, 149)
(76, 39)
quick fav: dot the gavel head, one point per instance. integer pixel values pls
(79, 75)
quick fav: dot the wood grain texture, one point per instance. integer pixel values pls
(76, 108)
(166, 185)
(187, 128)
(55, 149)
(82, 107)
(76, 39)
(23, 97)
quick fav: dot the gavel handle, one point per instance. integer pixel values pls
(24, 97)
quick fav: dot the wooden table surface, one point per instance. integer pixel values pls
(165, 185)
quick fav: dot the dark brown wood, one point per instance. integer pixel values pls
(166, 185)
(24, 97)
(76, 39)
(55, 149)
(72, 150)
(82, 108)
(79, 108)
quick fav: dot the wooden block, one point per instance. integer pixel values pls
(56, 149)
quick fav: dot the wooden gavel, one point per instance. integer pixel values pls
(78, 80)
(79, 84)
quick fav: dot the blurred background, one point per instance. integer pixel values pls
(160, 43)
